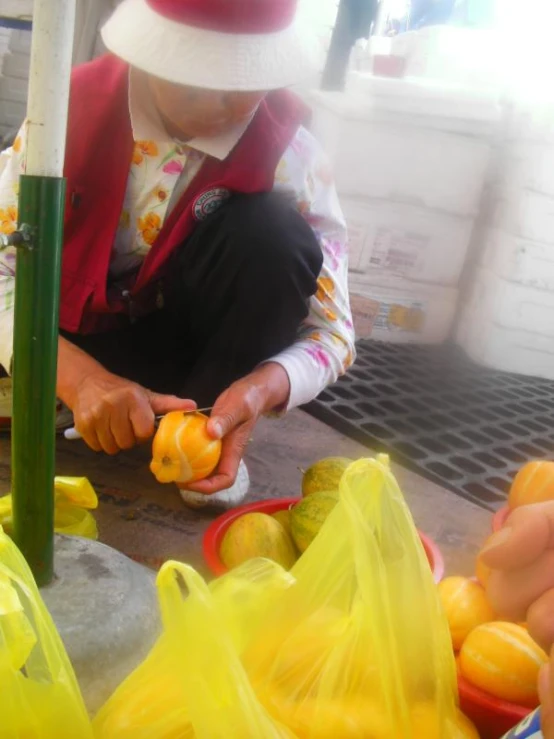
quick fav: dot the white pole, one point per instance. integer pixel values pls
(51, 52)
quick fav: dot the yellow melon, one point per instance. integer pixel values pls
(284, 518)
(355, 717)
(308, 516)
(466, 606)
(427, 723)
(324, 475)
(257, 535)
(534, 483)
(502, 659)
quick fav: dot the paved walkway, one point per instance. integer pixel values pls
(140, 517)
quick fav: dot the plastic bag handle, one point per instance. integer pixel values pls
(171, 594)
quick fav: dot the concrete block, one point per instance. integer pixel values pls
(105, 608)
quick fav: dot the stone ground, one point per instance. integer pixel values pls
(148, 521)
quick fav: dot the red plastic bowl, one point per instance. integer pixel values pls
(492, 717)
(216, 531)
(499, 518)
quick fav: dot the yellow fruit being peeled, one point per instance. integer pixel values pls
(324, 475)
(182, 450)
(309, 515)
(257, 535)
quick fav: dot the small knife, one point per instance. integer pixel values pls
(72, 434)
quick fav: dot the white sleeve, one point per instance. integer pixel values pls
(325, 345)
(11, 167)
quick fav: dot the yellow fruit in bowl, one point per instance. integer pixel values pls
(292, 653)
(502, 659)
(257, 535)
(427, 723)
(466, 606)
(353, 717)
(324, 475)
(284, 518)
(360, 717)
(309, 515)
(145, 708)
(464, 729)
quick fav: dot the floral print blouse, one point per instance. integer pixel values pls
(324, 348)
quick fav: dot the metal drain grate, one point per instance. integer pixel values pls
(434, 411)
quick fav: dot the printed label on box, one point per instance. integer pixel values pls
(356, 241)
(396, 316)
(364, 312)
(402, 252)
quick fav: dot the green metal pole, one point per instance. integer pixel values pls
(41, 208)
(37, 285)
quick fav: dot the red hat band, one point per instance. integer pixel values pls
(229, 16)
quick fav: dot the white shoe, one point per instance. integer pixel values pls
(229, 498)
(64, 417)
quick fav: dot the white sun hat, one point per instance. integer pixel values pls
(215, 44)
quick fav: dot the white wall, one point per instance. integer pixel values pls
(14, 50)
(14, 80)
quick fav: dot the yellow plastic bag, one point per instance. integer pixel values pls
(352, 644)
(75, 490)
(155, 701)
(74, 497)
(39, 695)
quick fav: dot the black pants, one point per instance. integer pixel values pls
(235, 294)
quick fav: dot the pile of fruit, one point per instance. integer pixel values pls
(498, 657)
(286, 534)
(495, 656)
(292, 653)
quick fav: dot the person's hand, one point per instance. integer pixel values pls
(234, 416)
(521, 584)
(546, 696)
(112, 413)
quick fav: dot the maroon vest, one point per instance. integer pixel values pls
(98, 158)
